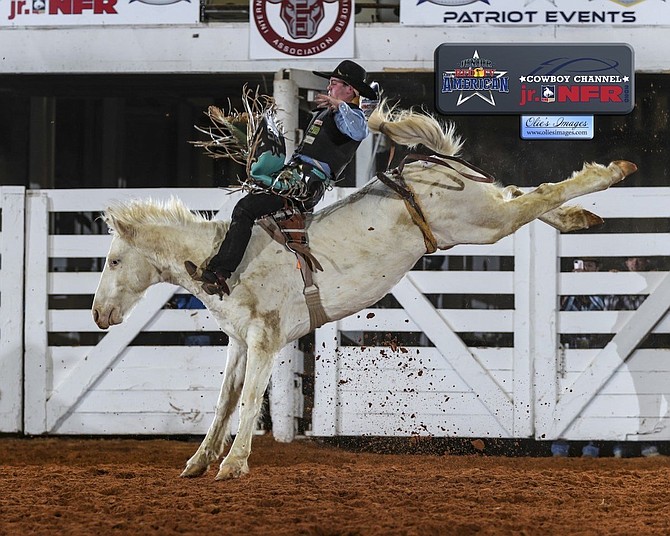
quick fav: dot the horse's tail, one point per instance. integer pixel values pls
(410, 128)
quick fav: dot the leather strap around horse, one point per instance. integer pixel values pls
(397, 184)
(307, 263)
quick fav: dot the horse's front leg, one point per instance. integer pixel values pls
(217, 435)
(256, 379)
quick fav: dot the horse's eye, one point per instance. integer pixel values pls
(114, 262)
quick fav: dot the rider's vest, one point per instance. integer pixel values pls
(324, 142)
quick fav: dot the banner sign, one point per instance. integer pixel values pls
(534, 12)
(93, 12)
(499, 78)
(557, 127)
(301, 29)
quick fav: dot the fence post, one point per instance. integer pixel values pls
(286, 392)
(12, 204)
(544, 326)
(326, 373)
(36, 362)
(524, 257)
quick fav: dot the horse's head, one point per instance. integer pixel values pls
(125, 277)
(148, 243)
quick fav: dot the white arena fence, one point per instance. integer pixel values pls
(472, 343)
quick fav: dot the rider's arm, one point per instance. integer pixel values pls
(351, 121)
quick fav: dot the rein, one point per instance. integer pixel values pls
(444, 160)
(397, 183)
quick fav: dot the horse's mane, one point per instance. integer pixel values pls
(150, 212)
(411, 128)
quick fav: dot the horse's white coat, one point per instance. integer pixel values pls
(366, 243)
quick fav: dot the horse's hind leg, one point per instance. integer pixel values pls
(215, 440)
(547, 197)
(259, 368)
(565, 218)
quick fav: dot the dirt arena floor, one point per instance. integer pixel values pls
(123, 486)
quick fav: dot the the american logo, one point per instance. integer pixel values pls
(475, 77)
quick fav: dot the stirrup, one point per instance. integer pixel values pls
(219, 288)
(212, 283)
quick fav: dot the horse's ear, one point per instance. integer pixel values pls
(123, 230)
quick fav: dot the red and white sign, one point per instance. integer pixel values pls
(93, 12)
(301, 29)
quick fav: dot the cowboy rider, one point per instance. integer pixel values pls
(331, 139)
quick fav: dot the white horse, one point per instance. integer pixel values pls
(366, 243)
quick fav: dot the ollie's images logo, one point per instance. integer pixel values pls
(303, 27)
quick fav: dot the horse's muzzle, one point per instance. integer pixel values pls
(104, 321)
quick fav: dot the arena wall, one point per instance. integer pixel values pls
(224, 47)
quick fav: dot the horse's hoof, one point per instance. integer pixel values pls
(591, 219)
(192, 471)
(228, 472)
(627, 167)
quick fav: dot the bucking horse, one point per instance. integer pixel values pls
(365, 243)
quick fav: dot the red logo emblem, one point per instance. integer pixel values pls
(302, 19)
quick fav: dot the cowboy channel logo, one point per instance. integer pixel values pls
(537, 78)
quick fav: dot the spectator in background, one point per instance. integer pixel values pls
(583, 303)
(591, 302)
(632, 303)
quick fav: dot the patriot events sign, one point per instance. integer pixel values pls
(301, 29)
(534, 12)
(92, 12)
(499, 78)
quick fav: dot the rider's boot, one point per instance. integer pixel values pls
(214, 281)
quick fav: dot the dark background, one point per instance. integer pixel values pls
(131, 131)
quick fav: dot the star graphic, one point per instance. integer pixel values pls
(490, 99)
(553, 2)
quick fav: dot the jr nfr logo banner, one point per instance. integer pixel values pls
(534, 78)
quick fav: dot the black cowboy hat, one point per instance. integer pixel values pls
(354, 75)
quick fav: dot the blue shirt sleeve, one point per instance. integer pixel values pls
(352, 122)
